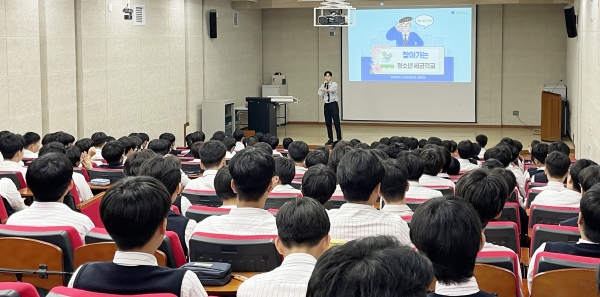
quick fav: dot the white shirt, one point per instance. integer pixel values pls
(29, 154)
(8, 191)
(352, 221)
(184, 179)
(229, 155)
(539, 169)
(467, 288)
(288, 280)
(555, 194)
(47, 214)
(416, 191)
(277, 153)
(519, 176)
(185, 205)
(332, 87)
(490, 247)
(189, 231)
(481, 153)
(190, 285)
(399, 209)
(240, 221)
(205, 182)
(338, 191)
(82, 187)
(239, 146)
(98, 155)
(300, 170)
(466, 165)
(195, 161)
(429, 180)
(13, 166)
(285, 189)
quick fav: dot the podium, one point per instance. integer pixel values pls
(262, 112)
(551, 116)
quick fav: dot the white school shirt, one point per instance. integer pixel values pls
(184, 179)
(520, 177)
(190, 285)
(229, 155)
(466, 165)
(555, 194)
(82, 187)
(481, 153)
(239, 146)
(399, 209)
(285, 189)
(8, 191)
(12, 166)
(98, 155)
(429, 180)
(416, 191)
(467, 288)
(29, 154)
(189, 231)
(48, 214)
(332, 87)
(277, 154)
(490, 247)
(288, 280)
(205, 182)
(240, 221)
(300, 170)
(185, 205)
(353, 221)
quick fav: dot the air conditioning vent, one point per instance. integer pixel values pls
(236, 19)
(140, 15)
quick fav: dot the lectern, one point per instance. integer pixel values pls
(262, 114)
(551, 116)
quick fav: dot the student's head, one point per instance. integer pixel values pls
(252, 140)
(273, 141)
(539, 153)
(195, 149)
(134, 212)
(359, 174)
(286, 142)
(128, 144)
(50, 177)
(414, 165)
(166, 170)
(509, 178)
(355, 141)
(169, 137)
(500, 153)
(194, 137)
(434, 140)
(454, 168)
(486, 191)
(316, 157)
(373, 266)
(588, 177)
(319, 182)
(253, 172)
(476, 150)
(482, 140)
(447, 158)
(52, 147)
(65, 138)
(229, 143)
(32, 141)
(559, 146)
(159, 146)
(533, 143)
(447, 230)
(259, 136)
(285, 169)
(223, 184)
(465, 149)
(239, 134)
(433, 161)
(145, 138)
(492, 163)
(212, 155)
(422, 143)
(138, 142)
(362, 145)
(395, 182)
(395, 148)
(384, 140)
(380, 153)
(298, 151)
(265, 147)
(518, 145)
(574, 179)
(508, 141)
(134, 162)
(110, 138)
(589, 214)
(302, 224)
(557, 165)
(328, 76)
(11, 147)
(84, 144)
(113, 152)
(73, 153)
(219, 135)
(336, 155)
(99, 139)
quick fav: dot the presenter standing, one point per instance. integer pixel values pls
(328, 92)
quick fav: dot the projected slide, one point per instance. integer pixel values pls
(411, 45)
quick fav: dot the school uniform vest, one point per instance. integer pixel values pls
(178, 203)
(581, 249)
(110, 278)
(540, 177)
(177, 223)
(533, 171)
(478, 294)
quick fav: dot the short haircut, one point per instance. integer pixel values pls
(49, 177)
(362, 145)
(359, 172)
(476, 150)
(447, 158)
(534, 142)
(500, 153)
(316, 157)
(238, 135)
(492, 163)
(285, 169)
(73, 153)
(414, 164)
(167, 170)
(393, 185)
(336, 155)
(229, 143)
(422, 143)
(273, 141)
(110, 138)
(509, 178)
(302, 222)
(434, 140)
(481, 140)
(251, 140)
(286, 142)
(195, 149)
(99, 138)
(559, 146)
(380, 153)
(298, 151)
(319, 182)
(589, 176)
(212, 153)
(194, 137)
(127, 143)
(219, 135)
(539, 152)
(52, 147)
(223, 184)
(557, 164)
(328, 72)
(518, 145)
(576, 169)
(252, 171)
(433, 160)
(372, 266)
(168, 136)
(395, 148)
(486, 191)
(144, 136)
(134, 162)
(84, 144)
(355, 141)
(60, 136)
(454, 168)
(590, 213)
(465, 149)
(31, 138)
(265, 147)
(384, 140)
(160, 146)
(259, 136)
(11, 144)
(508, 141)
(133, 209)
(447, 230)
(112, 152)
(138, 142)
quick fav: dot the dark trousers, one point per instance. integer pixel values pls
(332, 111)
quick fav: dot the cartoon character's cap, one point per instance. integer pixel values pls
(405, 19)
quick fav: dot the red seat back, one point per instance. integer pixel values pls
(91, 208)
(3, 212)
(176, 249)
(510, 213)
(70, 292)
(175, 209)
(21, 289)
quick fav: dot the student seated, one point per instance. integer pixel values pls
(538, 155)
(82, 187)
(360, 173)
(32, 145)
(212, 156)
(319, 182)
(192, 138)
(11, 197)
(219, 135)
(454, 168)
(415, 167)
(589, 229)
(434, 162)
(86, 145)
(161, 147)
(334, 159)
(195, 151)
(252, 140)
(447, 230)
(273, 141)
(559, 146)
(134, 162)
(99, 139)
(229, 143)
(394, 269)
(171, 139)
(286, 142)
(114, 155)
(284, 170)
(586, 178)
(128, 144)
(253, 174)
(11, 147)
(223, 188)
(502, 153)
(238, 135)
(316, 157)
(482, 140)
(302, 229)
(49, 178)
(555, 193)
(166, 171)
(393, 188)
(297, 151)
(465, 152)
(134, 212)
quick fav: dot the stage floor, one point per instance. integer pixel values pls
(316, 134)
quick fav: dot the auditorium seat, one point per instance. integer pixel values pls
(414, 203)
(296, 183)
(175, 209)
(70, 292)
(17, 289)
(201, 212)
(541, 233)
(565, 282)
(83, 172)
(495, 280)
(550, 215)
(531, 194)
(105, 251)
(335, 202)
(191, 167)
(91, 208)
(3, 212)
(504, 234)
(503, 259)
(113, 175)
(202, 197)
(510, 213)
(277, 200)
(255, 253)
(17, 178)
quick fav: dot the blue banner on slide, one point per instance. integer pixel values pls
(367, 75)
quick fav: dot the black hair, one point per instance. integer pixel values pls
(393, 185)
(492, 163)
(138, 142)
(259, 136)
(576, 168)
(534, 142)
(73, 153)
(251, 141)
(358, 173)
(302, 222)
(465, 149)
(422, 143)
(144, 136)
(110, 138)
(160, 146)
(433, 161)
(590, 213)
(482, 140)
(60, 136)
(336, 155)
(112, 152)
(167, 170)
(229, 143)
(557, 164)
(476, 150)
(374, 144)
(219, 135)
(500, 153)
(195, 149)
(362, 145)
(168, 136)
(328, 72)
(447, 158)
(84, 144)
(127, 143)
(252, 171)
(414, 165)
(434, 140)
(486, 191)
(45, 140)
(354, 142)
(298, 150)
(447, 230)
(380, 153)
(49, 177)
(265, 147)
(372, 266)
(194, 137)
(385, 140)
(273, 141)
(133, 209)
(539, 152)
(454, 168)
(31, 138)
(509, 178)
(11, 144)
(223, 184)
(395, 148)
(518, 145)
(134, 162)
(238, 135)
(286, 142)
(98, 139)
(559, 146)
(52, 147)
(212, 153)
(589, 176)
(447, 145)
(285, 169)
(319, 182)
(508, 141)
(316, 157)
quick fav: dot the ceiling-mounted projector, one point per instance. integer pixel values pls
(334, 13)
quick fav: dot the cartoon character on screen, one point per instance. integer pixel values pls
(401, 33)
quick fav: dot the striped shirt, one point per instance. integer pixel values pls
(399, 209)
(240, 221)
(288, 280)
(12, 166)
(205, 182)
(467, 288)
(185, 180)
(9, 191)
(300, 170)
(555, 194)
(47, 214)
(353, 221)
(189, 231)
(286, 189)
(82, 187)
(190, 285)
(429, 180)
(466, 165)
(520, 178)
(185, 205)
(416, 191)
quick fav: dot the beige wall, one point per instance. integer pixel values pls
(520, 48)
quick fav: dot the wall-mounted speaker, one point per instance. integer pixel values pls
(212, 24)
(571, 21)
